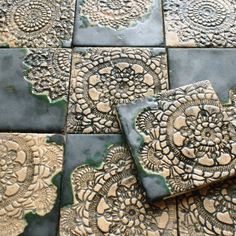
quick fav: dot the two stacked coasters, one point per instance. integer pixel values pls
(180, 140)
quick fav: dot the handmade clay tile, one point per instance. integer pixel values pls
(119, 23)
(104, 77)
(188, 65)
(210, 211)
(181, 140)
(36, 23)
(28, 165)
(106, 198)
(200, 23)
(34, 89)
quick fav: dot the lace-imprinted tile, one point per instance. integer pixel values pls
(28, 164)
(119, 23)
(181, 140)
(211, 211)
(34, 89)
(104, 77)
(200, 23)
(36, 23)
(106, 198)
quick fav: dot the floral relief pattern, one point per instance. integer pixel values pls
(36, 23)
(48, 72)
(202, 23)
(26, 170)
(210, 212)
(115, 14)
(189, 138)
(109, 201)
(105, 77)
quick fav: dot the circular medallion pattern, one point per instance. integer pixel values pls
(115, 14)
(204, 22)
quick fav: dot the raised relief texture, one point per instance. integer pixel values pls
(188, 138)
(109, 201)
(210, 212)
(48, 72)
(36, 23)
(115, 14)
(102, 78)
(200, 23)
(28, 164)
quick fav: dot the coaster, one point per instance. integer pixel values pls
(181, 140)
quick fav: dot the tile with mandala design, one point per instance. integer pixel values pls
(210, 211)
(103, 77)
(36, 23)
(34, 89)
(29, 183)
(181, 140)
(200, 23)
(101, 194)
(119, 23)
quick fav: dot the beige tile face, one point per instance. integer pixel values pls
(210, 212)
(102, 78)
(27, 165)
(36, 23)
(200, 23)
(109, 201)
(184, 137)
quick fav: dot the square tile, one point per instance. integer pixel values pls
(119, 23)
(33, 89)
(30, 169)
(181, 140)
(101, 194)
(36, 23)
(104, 77)
(200, 23)
(188, 66)
(210, 211)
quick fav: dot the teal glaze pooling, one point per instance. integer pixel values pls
(155, 185)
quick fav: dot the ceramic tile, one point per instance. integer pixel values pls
(29, 171)
(34, 89)
(188, 66)
(211, 211)
(104, 77)
(119, 23)
(181, 139)
(101, 194)
(200, 23)
(36, 23)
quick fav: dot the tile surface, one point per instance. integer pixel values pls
(29, 163)
(200, 23)
(106, 198)
(119, 23)
(211, 211)
(188, 66)
(181, 139)
(36, 23)
(104, 77)
(34, 89)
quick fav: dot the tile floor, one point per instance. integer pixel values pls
(65, 168)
